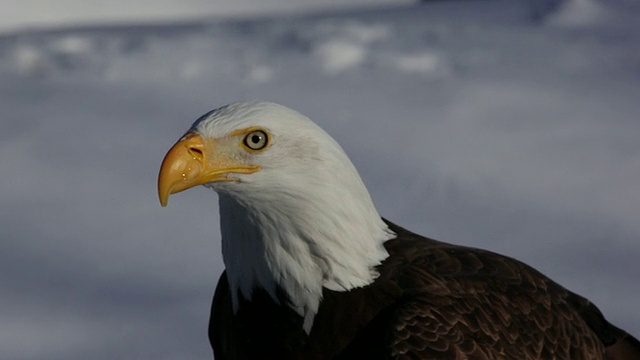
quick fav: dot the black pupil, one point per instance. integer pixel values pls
(256, 138)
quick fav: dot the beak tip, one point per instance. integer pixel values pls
(180, 169)
(164, 199)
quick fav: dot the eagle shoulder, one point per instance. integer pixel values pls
(460, 302)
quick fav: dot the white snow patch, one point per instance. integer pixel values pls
(339, 55)
(426, 63)
(72, 44)
(28, 59)
(368, 33)
(347, 45)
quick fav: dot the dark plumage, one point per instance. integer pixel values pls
(433, 300)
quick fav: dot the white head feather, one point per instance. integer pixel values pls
(304, 221)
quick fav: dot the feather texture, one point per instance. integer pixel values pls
(314, 272)
(432, 300)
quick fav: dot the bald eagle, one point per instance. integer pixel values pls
(314, 272)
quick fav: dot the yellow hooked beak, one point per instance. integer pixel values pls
(193, 161)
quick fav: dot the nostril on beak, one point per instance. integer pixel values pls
(196, 152)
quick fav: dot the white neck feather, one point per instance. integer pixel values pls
(301, 237)
(302, 223)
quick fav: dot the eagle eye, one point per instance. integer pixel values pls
(256, 140)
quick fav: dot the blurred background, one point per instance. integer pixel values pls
(44, 13)
(510, 125)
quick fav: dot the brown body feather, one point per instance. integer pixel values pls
(432, 300)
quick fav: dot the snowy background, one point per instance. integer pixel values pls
(509, 125)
